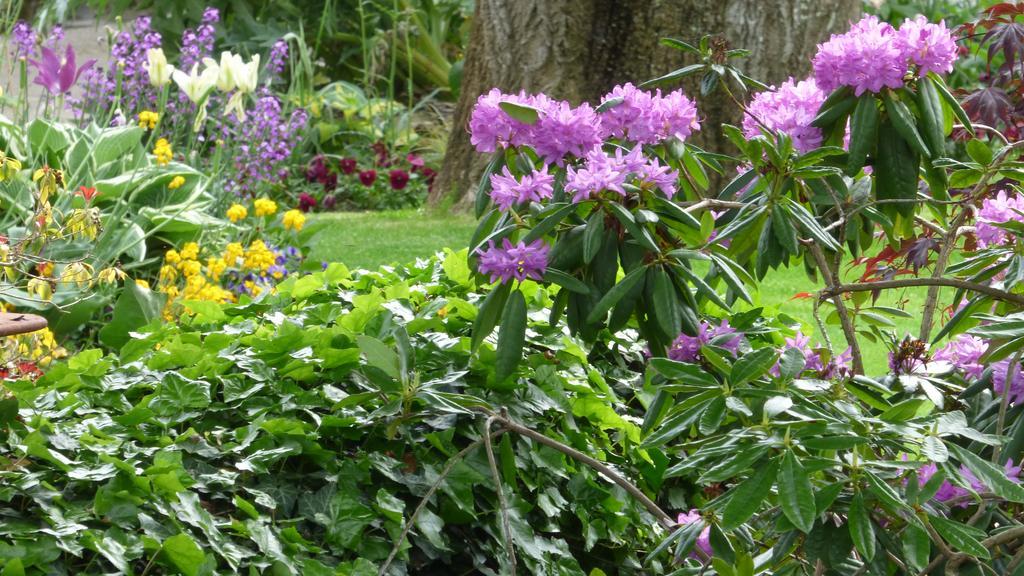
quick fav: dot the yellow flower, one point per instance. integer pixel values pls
(265, 207)
(176, 183)
(111, 275)
(77, 273)
(190, 268)
(8, 167)
(168, 275)
(233, 252)
(148, 119)
(215, 267)
(50, 180)
(40, 288)
(293, 219)
(258, 256)
(172, 257)
(237, 212)
(142, 283)
(45, 269)
(162, 151)
(190, 251)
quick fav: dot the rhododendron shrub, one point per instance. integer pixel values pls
(794, 458)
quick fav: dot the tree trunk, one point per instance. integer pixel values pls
(578, 50)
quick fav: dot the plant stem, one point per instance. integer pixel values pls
(932, 282)
(837, 298)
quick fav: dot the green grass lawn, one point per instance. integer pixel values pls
(372, 239)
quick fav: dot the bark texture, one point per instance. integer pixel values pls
(579, 49)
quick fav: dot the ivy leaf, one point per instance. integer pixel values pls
(183, 552)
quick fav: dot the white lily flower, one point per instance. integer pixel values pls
(157, 67)
(246, 77)
(196, 85)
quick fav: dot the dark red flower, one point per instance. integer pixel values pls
(330, 182)
(306, 202)
(329, 201)
(348, 165)
(399, 178)
(317, 170)
(367, 177)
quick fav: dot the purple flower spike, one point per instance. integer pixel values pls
(58, 76)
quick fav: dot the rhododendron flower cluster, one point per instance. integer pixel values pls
(964, 353)
(508, 191)
(873, 55)
(648, 118)
(686, 348)
(948, 491)
(603, 172)
(839, 365)
(559, 130)
(1003, 208)
(519, 261)
(789, 109)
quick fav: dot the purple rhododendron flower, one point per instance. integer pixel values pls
(867, 58)
(704, 539)
(559, 130)
(789, 109)
(1003, 371)
(801, 342)
(600, 172)
(648, 118)
(686, 348)
(662, 177)
(964, 353)
(507, 191)
(58, 75)
(930, 46)
(519, 261)
(948, 491)
(1002, 208)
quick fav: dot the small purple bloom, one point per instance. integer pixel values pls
(519, 261)
(686, 348)
(999, 210)
(24, 40)
(964, 353)
(704, 539)
(58, 75)
(507, 191)
(600, 172)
